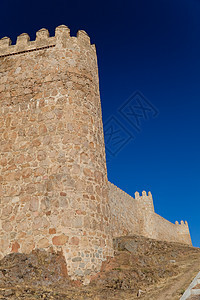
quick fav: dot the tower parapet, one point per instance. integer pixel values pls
(42, 41)
(182, 223)
(145, 200)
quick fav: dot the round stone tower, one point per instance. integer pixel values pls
(53, 178)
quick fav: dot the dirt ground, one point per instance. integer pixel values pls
(141, 269)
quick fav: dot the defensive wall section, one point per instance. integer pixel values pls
(136, 216)
(54, 192)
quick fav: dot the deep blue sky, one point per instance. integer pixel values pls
(147, 46)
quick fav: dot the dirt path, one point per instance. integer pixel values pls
(173, 288)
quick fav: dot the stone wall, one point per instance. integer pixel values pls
(53, 177)
(127, 213)
(131, 216)
(164, 230)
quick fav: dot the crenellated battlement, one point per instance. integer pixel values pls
(182, 223)
(43, 40)
(144, 195)
(137, 216)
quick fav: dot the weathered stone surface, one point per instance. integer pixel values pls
(50, 128)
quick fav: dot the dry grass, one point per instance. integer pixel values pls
(160, 270)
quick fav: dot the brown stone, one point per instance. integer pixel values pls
(63, 194)
(26, 173)
(74, 241)
(15, 247)
(80, 212)
(52, 230)
(7, 210)
(34, 204)
(87, 172)
(42, 129)
(27, 247)
(43, 243)
(39, 171)
(7, 226)
(3, 162)
(41, 155)
(30, 188)
(60, 240)
(4, 243)
(36, 143)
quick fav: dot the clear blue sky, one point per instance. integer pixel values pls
(147, 46)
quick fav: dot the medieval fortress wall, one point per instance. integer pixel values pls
(54, 191)
(136, 215)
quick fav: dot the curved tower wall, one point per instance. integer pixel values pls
(53, 177)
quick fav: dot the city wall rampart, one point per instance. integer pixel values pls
(136, 216)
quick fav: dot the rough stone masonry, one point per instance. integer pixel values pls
(54, 191)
